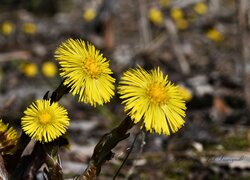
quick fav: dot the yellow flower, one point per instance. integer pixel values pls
(164, 3)
(45, 121)
(86, 71)
(185, 93)
(8, 28)
(151, 97)
(49, 69)
(176, 13)
(200, 8)
(8, 137)
(181, 24)
(29, 28)
(29, 69)
(214, 35)
(155, 16)
(89, 15)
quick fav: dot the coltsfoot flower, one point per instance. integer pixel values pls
(150, 97)
(164, 3)
(176, 13)
(29, 69)
(49, 69)
(185, 93)
(29, 28)
(214, 35)
(89, 15)
(155, 16)
(8, 28)
(45, 121)
(182, 24)
(85, 71)
(200, 8)
(8, 137)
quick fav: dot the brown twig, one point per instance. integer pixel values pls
(183, 4)
(4, 57)
(126, 157)
(103, 150)
(244, 35)
(170, 27)
(152, 46)
(131, 170)
(3, 172)
(144, 24)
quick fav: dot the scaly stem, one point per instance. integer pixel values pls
(103, 150)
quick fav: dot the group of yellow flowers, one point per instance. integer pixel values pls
(178, 16)
(30, 69)
(148, 96)
(8, 28)
(156, 16)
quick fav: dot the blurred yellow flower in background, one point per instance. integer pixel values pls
(185, 93)
(181, 24)
(200, 8)
(164, 3)
(8, 137)
(214, 35)
(49, 69)
(89, 14)
(151, 97)
(29, 28)
(85, 71)
(155, 16)
(45, 121)
(8, 28)
(176, 13)
(29, 69)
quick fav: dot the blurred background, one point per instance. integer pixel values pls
(203, 46)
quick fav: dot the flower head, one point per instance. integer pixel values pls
(200, 8)
(155, 16)
(185, 93)
(8, 28)
(151, 97)
(49, 69)
(8, 137)
(89, 15)
(176, 13)
(181, 24)
(29, 69)
(214, 35)
(86, 71)
(29, 28)
(44, 121)
(164, 3)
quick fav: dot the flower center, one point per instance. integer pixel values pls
(45, 118)
(157, 93)
(91, 68)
